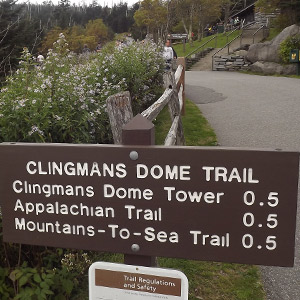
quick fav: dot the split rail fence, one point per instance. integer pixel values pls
(120, 111)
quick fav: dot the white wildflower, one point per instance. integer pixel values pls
(35, 129)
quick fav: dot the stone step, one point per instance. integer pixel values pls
(196, 57)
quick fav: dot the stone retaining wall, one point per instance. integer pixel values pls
(230, 63)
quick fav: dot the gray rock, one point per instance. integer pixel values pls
(270, 68)
(268, 51)
(242, 47)
(241, 52)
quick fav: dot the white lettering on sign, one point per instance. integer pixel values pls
(150, 234)
(161, 236)
(64, 209)
(145, 214)
(165, 172)
(48, 190)
(76, 169)
(56, 227)
(182, 196)
(234, 175)
(148, 281)
(207, 239)
(110, 191)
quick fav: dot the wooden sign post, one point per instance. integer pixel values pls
(139, 131)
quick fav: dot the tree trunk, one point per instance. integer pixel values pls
(191, 24)
(226, 13)
(184, 26)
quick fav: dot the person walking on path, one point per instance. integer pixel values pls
(169, 54)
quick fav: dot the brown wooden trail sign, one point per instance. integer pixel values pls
(203, 203)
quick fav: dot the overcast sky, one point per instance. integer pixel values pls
(87, 2)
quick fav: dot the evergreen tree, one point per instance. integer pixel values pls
(118, 20)
(63, 15)
(17, 31)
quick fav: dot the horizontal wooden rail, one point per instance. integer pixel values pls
(153, 111)
(178, 73)
(174, 97)
(172, 136)
(120, 111)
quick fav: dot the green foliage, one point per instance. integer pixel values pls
(142, 66)
(38, 283)
(197, 131)
(273, 32)
(63, 99)
(152, 15)
(292, 42)
(30, 284)
(289, 11)
(213, 280)
(78, 36)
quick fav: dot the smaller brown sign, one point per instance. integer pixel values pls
(138, 282)
(178, 36)
(127, 282)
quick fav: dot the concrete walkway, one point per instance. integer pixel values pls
(254, 112)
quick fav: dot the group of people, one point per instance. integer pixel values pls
(233, 23)
(86, 49)
(210, 30)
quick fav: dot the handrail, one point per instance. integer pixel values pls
(227, 45)
(228, 35)
(259, 29)
(201, 46)
(224, 48)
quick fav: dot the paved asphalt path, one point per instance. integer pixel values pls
(257, 112)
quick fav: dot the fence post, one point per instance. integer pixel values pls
(181, 61)
(120, 112)
(174, 110)
(138, 131)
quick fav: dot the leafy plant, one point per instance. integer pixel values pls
(63, 99)
(292, 42)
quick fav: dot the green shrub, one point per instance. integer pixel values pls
(63, 99)
(37, 273)
(292, 42)
(142, 66)
(32, 281)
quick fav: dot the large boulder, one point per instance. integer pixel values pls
(268, 51)
(270, 68)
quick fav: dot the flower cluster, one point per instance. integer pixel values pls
(63, 99)
(76, 262)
